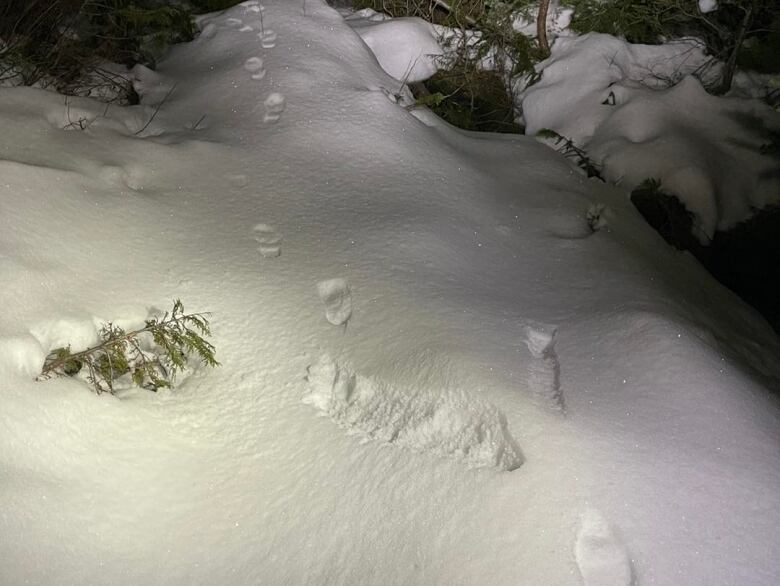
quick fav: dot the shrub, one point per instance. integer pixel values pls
(151, 356)
(61, 42)
(465, 93)
(761, 52)
(737, 31)
(469, 99)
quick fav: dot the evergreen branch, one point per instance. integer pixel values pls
(176, 336)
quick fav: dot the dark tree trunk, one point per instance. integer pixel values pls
(541, 27)
(731, 63)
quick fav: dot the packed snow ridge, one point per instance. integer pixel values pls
(437, 421)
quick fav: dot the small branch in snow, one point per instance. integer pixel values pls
(195, 126)
(157, 109)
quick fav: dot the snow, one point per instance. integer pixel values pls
(640, 114)
(446, 357)
(706, 6)
(406, 48)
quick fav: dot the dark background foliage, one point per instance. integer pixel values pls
(57, 42)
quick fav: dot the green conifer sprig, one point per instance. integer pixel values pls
(175, 337)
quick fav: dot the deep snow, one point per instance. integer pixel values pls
(433, 369)
(639, 113)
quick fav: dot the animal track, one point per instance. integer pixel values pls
(267, 39)
(336, 295)
(269, 240)
(274, 106)
(441, 422)
(238, 180)
(255, 66)
(209, 31)
(234, 22)
(544, 373)
(601, 557)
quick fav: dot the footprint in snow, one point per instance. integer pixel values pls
(267, 39)
(438, 421)
(598, 216)
(544, 372)
(568, 225)
(234, 22)
(274, 106)
(255, 66)
(246, 29)
(336, 295)
(209, 31)
(572, 225)
(269, 239)
(238, 180)
(601, 557)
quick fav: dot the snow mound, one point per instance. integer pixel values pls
(21, 354)
(704, 149)
(445, 423)
(640, 114)
(580, 73)
(406, 48)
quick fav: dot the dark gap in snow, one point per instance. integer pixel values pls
(746, 258)
(475, 101)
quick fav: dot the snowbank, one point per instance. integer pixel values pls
(406, 48)
(638, 113)
(475, 318)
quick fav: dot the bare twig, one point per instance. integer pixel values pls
(156, 110)
(195, 126)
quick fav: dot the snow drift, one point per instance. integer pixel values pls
(640, 114)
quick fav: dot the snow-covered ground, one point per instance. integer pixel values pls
(433, 369)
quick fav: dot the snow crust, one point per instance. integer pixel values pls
(480, 305)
